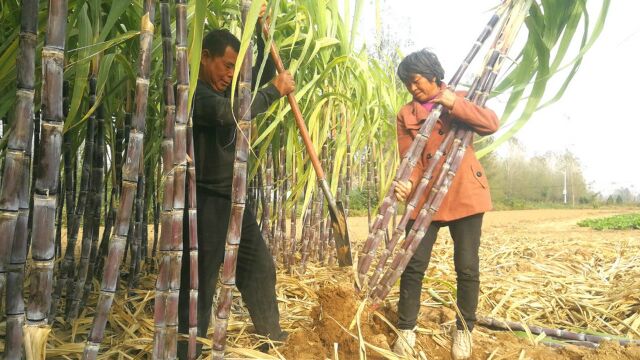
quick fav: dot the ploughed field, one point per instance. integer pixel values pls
(537, 267)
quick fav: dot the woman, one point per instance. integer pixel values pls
(467, 200)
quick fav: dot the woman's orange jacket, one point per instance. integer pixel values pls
(469, 191)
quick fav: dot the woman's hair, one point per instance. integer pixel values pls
(216, 42)
(424, 63)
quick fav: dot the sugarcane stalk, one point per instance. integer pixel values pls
(282, 214)
(322, 232)
(156, 210)
(46, 185)
(315, 221)
(180, 172)
(14, 190)
(306, 237)
(35, 160)
(87, 197)
(121, 142)
(59, 214)
(61, 190)
(166, 217)
(135, 231)
(238, 198)
(193, 244)
(97, 179)
(556, 333)
(369, 184)
(73, 222)
(336, 210)
(389, 204)
(290, 255)
(275, 230)
(349, 155)
(267, 197)
(129, 182)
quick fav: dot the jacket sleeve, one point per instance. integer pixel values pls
(482, 120)
(212, 109)
(405, 139)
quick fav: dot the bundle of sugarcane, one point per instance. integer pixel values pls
(388, 206)
(129, 184)
(481, 86)
(14, 192)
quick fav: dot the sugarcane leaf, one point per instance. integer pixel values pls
(323, 43)
(533, 100)
(196, 35)
(247, 33)
(82, 67)
(116, 9)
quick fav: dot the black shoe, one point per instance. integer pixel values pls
(280, 338)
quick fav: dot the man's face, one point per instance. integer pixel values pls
(218, 70)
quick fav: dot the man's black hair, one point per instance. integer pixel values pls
(424, 63)
(216, 42)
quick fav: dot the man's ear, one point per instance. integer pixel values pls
(204, 55)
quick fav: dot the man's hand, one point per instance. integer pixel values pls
(403, 189)
(447, 98)
(284, 83)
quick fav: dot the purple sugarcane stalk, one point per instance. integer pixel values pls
(238, 199)
(557, 333)
(180, 173)
(193, 245)
(166, 225)
(46, 183)
(129, 182)
(14, 192)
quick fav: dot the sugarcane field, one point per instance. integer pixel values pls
(319, 179)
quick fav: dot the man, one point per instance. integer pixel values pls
(214, 131)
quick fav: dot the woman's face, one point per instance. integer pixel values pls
(422, 88)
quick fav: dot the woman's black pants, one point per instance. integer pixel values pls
(465, 233)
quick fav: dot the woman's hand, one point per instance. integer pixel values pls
(403, 189)
(447, 98)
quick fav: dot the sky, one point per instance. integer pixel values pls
(594, 119)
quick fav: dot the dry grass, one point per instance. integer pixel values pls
(537, 267)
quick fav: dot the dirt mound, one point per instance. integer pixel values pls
(304, 344)
(331, 324)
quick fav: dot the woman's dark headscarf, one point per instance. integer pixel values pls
(422, 62)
